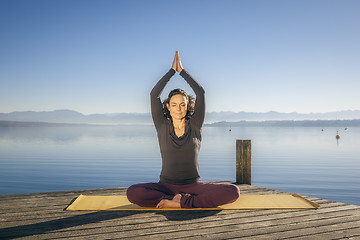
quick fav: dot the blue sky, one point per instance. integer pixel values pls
(105, 56)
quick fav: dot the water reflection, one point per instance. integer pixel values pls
(71, 134)
(306, 160)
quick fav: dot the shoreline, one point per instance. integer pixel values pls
(243, 123)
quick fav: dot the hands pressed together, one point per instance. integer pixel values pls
(177, 63)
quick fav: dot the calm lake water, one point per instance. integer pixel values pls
(305, 160)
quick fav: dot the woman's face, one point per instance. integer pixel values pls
(177, 106)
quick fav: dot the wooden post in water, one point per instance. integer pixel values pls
(243, 161)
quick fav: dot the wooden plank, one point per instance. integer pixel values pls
(41, 216)
(229, 225)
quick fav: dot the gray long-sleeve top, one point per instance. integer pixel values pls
(179, 154)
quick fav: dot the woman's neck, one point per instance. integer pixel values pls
(178, 123)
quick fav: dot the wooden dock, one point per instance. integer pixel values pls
(42, 216)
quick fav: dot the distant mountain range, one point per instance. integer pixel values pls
(288, 123)
(69, 116)
(278, 116)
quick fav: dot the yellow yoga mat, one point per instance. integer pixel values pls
(121, 203)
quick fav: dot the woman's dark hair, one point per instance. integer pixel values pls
(190, 105)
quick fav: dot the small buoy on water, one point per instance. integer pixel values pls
(337, 135)
(230, 130)
(345, 128)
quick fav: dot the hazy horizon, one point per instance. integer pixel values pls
(148, 112)
(29, 118)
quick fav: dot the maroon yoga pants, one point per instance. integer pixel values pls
(194, 195)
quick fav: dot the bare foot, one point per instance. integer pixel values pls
(174, 203)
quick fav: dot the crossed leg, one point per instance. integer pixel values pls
(148, 194)
(209, 195)
(195, 195)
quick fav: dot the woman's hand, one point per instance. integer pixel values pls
(175, 61)
(177, 66)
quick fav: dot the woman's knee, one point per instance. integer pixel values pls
(135, 192)
(236, 191)
(233, 191)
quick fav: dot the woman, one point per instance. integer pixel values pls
(178, 122)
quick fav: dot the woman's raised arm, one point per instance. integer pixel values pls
(199, 111)
(156, 105)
